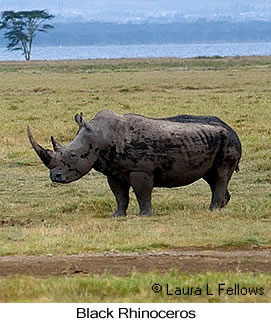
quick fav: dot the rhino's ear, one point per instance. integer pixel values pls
(80, 120)
(58, 147)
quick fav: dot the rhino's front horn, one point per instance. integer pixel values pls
(47, 156)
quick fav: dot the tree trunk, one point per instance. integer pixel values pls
(27, 50)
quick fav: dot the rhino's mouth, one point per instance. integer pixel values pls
(57, 178)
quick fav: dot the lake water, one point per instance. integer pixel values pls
(147, 51)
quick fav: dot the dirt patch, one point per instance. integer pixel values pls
(185, 260)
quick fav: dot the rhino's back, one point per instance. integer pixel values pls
(174, 128)
(184, 120)
(189, 127)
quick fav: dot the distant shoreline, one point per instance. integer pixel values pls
(214, 49)
(170, 62)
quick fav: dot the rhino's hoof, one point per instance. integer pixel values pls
(118, 214)
(145, 214)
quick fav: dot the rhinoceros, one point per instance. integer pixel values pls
(143, 153)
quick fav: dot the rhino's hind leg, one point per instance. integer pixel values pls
(218, 184)
(121, 192)
(142, 184)
(220, 196)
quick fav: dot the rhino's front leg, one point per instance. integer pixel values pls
(121, 192)
(142, 184)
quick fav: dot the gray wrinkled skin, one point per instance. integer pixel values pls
(142, 153)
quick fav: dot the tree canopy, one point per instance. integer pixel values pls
(21, 28)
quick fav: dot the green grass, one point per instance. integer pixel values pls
(39, 217)
(137, 288)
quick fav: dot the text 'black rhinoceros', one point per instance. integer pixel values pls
(142, 153)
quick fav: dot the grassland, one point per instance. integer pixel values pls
(38, 217)
(136, 288)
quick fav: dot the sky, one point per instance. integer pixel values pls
(123, 9)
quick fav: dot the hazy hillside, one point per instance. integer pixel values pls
(108, 33)
(152, 10)
(144, 22)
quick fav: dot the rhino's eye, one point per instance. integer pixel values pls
(73, 156)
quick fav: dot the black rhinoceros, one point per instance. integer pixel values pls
(142, 153)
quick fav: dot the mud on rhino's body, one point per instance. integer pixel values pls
(133, 150)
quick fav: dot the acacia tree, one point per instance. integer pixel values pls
(21, 28)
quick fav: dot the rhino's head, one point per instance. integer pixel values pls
(70, 162)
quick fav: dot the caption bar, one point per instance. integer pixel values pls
(130, 312)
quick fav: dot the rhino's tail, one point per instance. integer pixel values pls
(237, 168)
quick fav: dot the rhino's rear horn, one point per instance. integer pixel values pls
(58, 147)
(47, 156)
